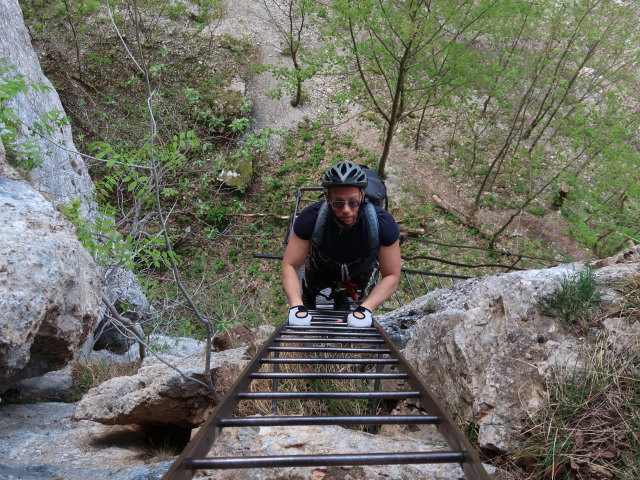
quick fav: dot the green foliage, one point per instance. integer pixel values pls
(19, 139)
(408, 55)
(538, 113)
(576, 299)
(107, 246)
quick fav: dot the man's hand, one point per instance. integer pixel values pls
(360, 317)
(299, 315)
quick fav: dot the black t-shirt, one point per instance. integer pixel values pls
(348, 245)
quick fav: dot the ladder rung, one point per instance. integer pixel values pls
(328, 327)
(333, 334)
(330, 361)
(330, 420)
(325, 395)
(445, 456)
(341, 335)
(340, 327)
(330, 349)
(328, 340)
(355, 375)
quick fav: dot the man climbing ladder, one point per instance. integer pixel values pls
(339, 240)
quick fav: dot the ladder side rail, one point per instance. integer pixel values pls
(413, 293)
(452, 434)
(203, 440)
(294, 213)
(274, 384)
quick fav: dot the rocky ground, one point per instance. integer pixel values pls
(43, 441)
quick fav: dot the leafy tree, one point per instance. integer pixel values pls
(291, 19)
(407, 55)
(549, 70)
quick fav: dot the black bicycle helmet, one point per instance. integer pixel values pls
(344, 174)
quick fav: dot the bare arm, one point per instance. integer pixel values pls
(294, 256)
(390, 264)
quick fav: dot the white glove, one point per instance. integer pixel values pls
(299, 315)
(360, 317)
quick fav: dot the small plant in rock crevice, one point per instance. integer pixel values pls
(85, 376)
(576, 300)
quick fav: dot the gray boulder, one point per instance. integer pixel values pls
(43, 442)
(484, 347)
(159, 395)
(49, 288)
(62, 176)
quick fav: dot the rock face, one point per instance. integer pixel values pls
(62, 176)
(483, 346)
(49, 288)
(158, 395)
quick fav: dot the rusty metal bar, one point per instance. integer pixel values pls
(333, 334)
(406, 276)
(390, 361)
(327, 340)
(276, 369)
(327, 460)
(452, 434)
(201, 443)
(336, 376)
(374, 401)
(461, 452)
(325, 395)
(330, 420)
(329, 349)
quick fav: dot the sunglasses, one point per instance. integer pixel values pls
(339, 204)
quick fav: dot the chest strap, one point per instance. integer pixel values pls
(345, 270)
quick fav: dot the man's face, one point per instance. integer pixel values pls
(344, 212)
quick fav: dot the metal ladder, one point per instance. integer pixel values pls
(329, 342)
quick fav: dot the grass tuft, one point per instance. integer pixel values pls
(576, 300)
(85, 376)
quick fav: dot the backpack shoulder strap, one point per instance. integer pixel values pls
(318, 228)
(372, 224)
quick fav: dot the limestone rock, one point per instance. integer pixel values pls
(63, 175)
(483, 346)
(630, 255)
(49, 289)
(238, 174)
(42, 442)
(50, 387)
(158, 395)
